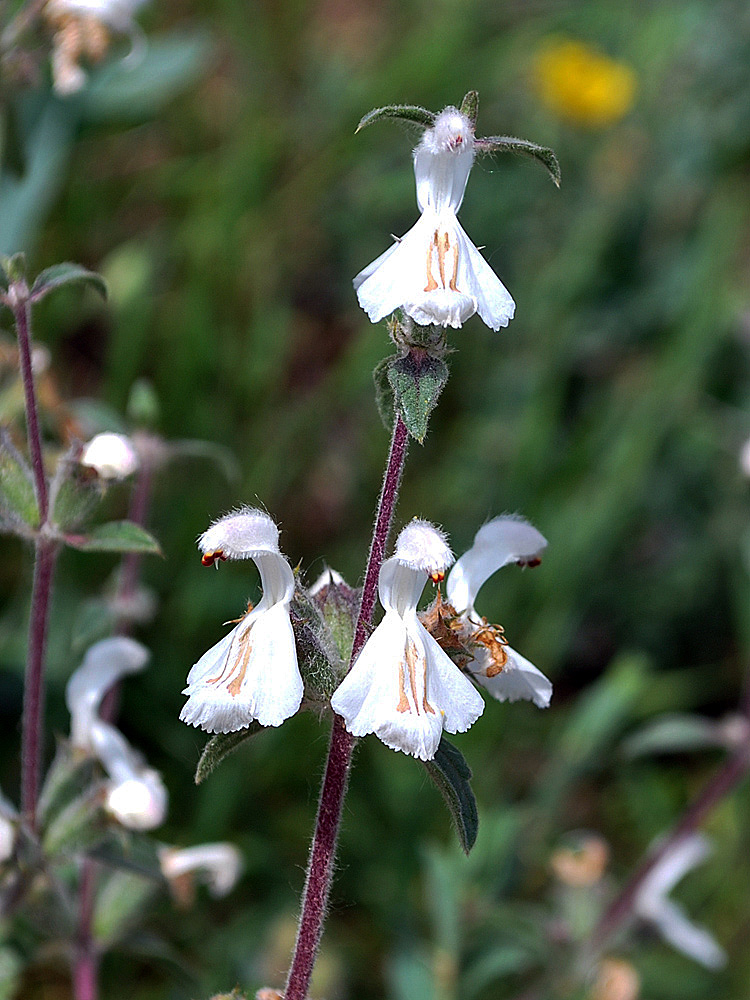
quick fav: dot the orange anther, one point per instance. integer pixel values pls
(437, 577)
(209, 558)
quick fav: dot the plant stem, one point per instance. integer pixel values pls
(45, 556)
(720, 785)
(33, 695)
(86, 966)
(335, 780)
(21, 313)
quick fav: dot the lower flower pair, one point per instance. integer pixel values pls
(412, 679)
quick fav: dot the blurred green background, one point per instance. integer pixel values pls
(220, 189)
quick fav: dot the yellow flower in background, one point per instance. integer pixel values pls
(583, 85)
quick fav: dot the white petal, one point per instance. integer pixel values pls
(241, 534)
(378, 695)
(518, 680)
(397, 274)
(499, 542)
(112, 456)
(694, 941)
(103, 665)
(443, 161)
(140, 802)
(476, 278)
(685, 855)
(448, 689)
(251, 675)
(220, 863)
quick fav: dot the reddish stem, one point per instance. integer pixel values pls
(20, 308)
(721, 784)
(335, 780)
(33, 697)
(86, 966)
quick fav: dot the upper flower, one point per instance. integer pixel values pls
(403, 687)
(506, 674)
(435, 273)
(251, 674)
(220, 865)
(136, 795)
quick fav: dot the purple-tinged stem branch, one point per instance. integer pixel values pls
(21, 311)
(33, 695)
(734, 769)
(335, 780)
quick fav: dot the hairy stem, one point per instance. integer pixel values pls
(335, 780)
(720, 785)
(33, 695)
(86, 965)
(23, 329)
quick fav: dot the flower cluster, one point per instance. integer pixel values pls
(411, 680)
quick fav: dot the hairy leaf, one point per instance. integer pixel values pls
(470, 106)
(403, 112)
(452, 775)
(509, 144)
(384, 398)
(17, 495)
(115, 536)
(221, 746)
(417, 381)
(66, 274)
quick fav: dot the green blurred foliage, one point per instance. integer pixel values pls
(228, 221)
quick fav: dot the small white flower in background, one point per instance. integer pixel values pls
(653, 905)
(112, 456)
(435, 273)
(252, 673)
(135, 795)
(220, 864)
(506, 674)
(8, 828)
(403, 687)
(329, 577)
(82, 30)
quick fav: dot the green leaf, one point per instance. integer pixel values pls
(115, 536)
(417, 381)
(384, 397)
(470, 106)
(116, 91)
(674, 734)
(403, 112)
(451, 774)
(120, 899)
(129, 851)
(66, 274)
(17, 494)
(509, 144)
(75, 493)
(69, 775)
(14, 268)
(11, 971)
(221, 746)
(320, 665)
(77, 827)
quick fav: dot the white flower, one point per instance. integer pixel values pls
(251, 674)
(111, 455)
(220, 864)
(8, 828)
(403, 687)
(653, 905)
(506, 674)
(116, 14)
(135, 794)
(435, 273)
(104, 664)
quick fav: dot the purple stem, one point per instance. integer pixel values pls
(44, 565)
(21, 313)
(86, 966)
(335, 780)
(721, 784)
(33, 696)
